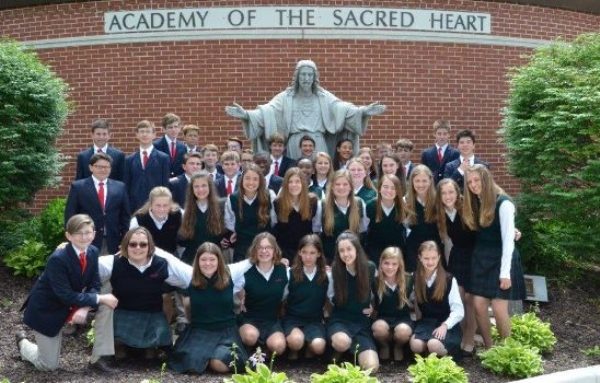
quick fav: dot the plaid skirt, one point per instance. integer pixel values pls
(424, 331)
(361, 335)
(196, 347)
(311, 329)
(485, 274)
(459, 264)
(141, 329)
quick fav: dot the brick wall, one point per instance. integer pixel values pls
(419, 82)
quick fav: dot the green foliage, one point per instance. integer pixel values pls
(592, 352)
(33, 109)
(552, 132)
(512, 359)
(436, 370)
(529, 330)
(29, 259)
(15, 227)
(90, 335)
(52, 222)
(344, 373)
(263, 374)
(163, 369)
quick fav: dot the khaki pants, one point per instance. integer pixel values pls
(44, 353)
(104, 340)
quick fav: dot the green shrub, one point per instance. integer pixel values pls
(513, 359)
(592, 352)
(551, 128)
(52, 222)
(529, 330)
(15, 228)
(344, 373)
(436, 370)
(29, 259)
(263, 374)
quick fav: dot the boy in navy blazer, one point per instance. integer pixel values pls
(65, 292)
(100, 137)
(404, 148)
(192, 163)
(145, 168)
(465, 140)
(227, 184)
(279, 163)
(170, 145)
(111, 214)
(437, 156)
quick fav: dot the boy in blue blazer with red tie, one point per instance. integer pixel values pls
(65, 292)
(437, 156)
(100, 137)
(170, 145)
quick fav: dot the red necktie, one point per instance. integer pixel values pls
(276, 170)
(440, 155)
(145, 160)
(101, 194)
(229, 187)
(82, 261)
(173, 150)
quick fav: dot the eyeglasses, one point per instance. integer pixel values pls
(267, 248)
(83, 234)
(102, 167)
(141, 245)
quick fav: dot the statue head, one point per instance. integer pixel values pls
(306, 70)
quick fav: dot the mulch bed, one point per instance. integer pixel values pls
(573, 312)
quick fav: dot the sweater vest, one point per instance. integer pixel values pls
(166, 237)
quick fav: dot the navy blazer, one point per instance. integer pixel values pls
(429, 158)
(178, 188)
(61, 286)
(140, 181)
(83, 163)
(221, 186)
(111, 223)
(284, 164)
(275, 183)
(451, 170)
(175, 164)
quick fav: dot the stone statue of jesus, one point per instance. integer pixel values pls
(305, 108)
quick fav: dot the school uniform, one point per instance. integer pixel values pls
(289, 234)
(274, 182)
(453, 170)
(66, 284)
(341, 223)
(117, 168)
(316, 190)
(175, 159)
(463, 241)
(349, 317)
(112, 222)
(304, 309)
(221, 184)
(264, 293)
(388, 305)
(141, 180)
(243, 222)
(366, 194)
(429, 158)
(178, 187)
(494, 258)
(201, 234)
(164, 232)
(420, 232)
(283, 164)
(212, 332)
(385, 233)
(449, 310)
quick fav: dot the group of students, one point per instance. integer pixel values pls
(348, 260)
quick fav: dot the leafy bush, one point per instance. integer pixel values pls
(552, 132)
(17, 226)
(263, 374)
(436, 370)
(512, 359)
(29, 259)
(52, 222)
(592, 352)
(344, 373)
(529, 330)
(33, 109)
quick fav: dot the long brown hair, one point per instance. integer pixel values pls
(157, 192)
(199, 280)
(354, 207)
(262, 194)
(284, 200)
(479, 211)
(253, 249)
(440, 208)
(411, 197)
(394, 253)
(439, 289)
(214, 218)
(297, 270)
(399, 171)
(398, 201)
(339, 273)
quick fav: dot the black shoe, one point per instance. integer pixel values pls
(19, 336)
(102, 366)
(467, 354)
(180, 328)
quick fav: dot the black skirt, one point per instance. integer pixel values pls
(485, 274)
(459, 264)
(424, 331)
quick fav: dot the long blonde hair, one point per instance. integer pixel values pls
(396, 254)
(441, 208)
(479, 211)
(157, 192)
(354, 207)
(367, 183)
(411, 197)
(439, 289)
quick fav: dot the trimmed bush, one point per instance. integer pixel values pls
(513, 359)
(436, 370)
